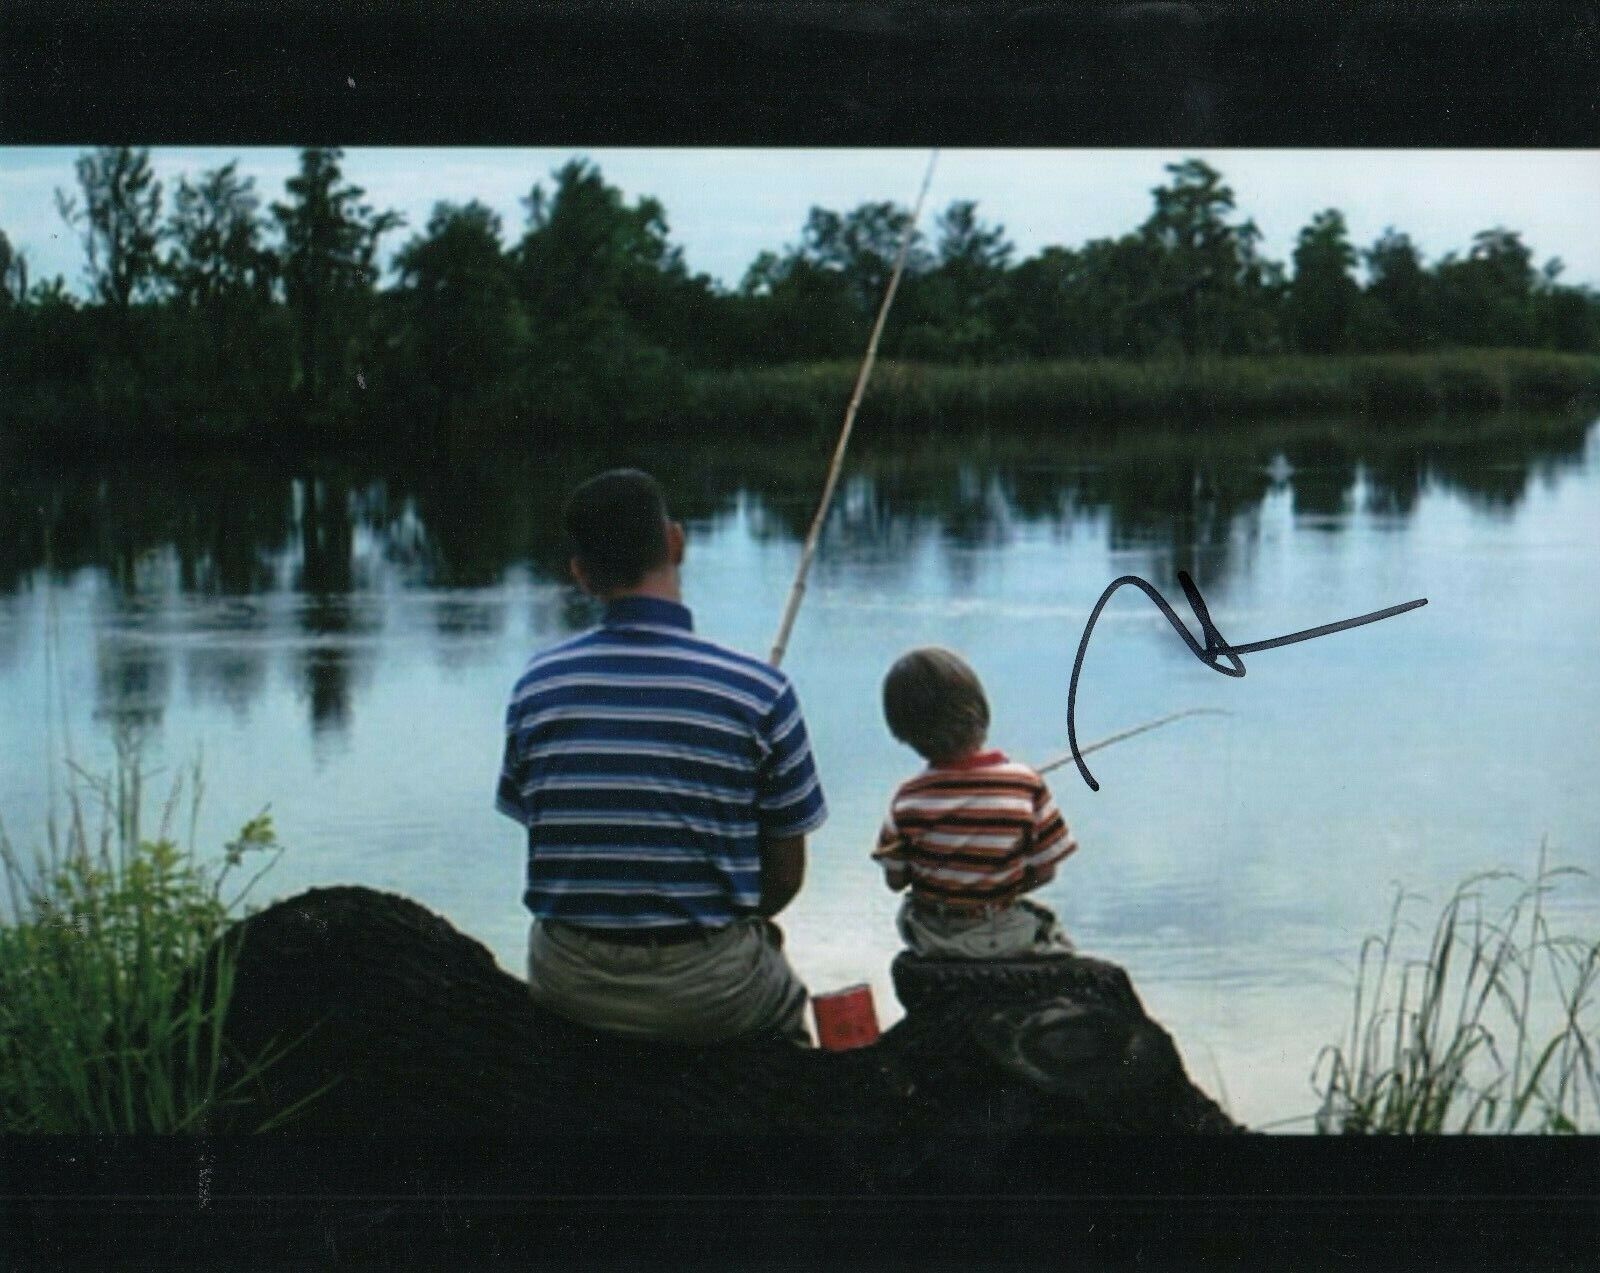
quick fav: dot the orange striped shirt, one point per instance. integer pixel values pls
(973, 833)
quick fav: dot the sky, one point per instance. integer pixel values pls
(724, 206)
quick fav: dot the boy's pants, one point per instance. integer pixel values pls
(733, 981)
(1007, 932)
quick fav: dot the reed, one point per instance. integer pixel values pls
(805, 400)
(1488, 1031)
(117, 962)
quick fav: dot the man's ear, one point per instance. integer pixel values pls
(578, 575)
(675, 543)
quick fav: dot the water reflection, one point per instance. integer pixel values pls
(216, 566)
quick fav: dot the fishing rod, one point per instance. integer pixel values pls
(797, 592)
(1057, 761)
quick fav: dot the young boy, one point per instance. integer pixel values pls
(973, 831)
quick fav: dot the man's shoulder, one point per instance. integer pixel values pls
(726, 659)
(552, 658)
(671, 649)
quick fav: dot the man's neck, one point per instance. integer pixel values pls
(663, 586)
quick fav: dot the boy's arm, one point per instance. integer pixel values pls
(1049, 840)
(890, 854)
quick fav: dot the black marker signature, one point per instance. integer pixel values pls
(1212, 653)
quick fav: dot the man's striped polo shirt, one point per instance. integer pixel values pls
(648, 765)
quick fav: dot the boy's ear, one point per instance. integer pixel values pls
(675, 543)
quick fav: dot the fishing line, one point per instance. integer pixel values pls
(1057, 761)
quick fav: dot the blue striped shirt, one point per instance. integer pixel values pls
(648, 765)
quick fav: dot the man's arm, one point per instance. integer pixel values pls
(783, 870)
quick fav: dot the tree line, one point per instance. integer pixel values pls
(214, 306)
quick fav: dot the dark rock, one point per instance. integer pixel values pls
(397, 1023)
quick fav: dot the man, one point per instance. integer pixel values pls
(667, 787)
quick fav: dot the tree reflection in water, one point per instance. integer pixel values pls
(246, 556)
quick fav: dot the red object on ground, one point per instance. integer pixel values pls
(846, 1018)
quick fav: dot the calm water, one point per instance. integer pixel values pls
(336, 642)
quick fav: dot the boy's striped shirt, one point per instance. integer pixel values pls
(648, 765)
(973, 833)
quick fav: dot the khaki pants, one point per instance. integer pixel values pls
(734, 981)
(1008, 932)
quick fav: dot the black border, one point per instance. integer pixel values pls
(1295, 1202)
(791, 73)
(1504, 73)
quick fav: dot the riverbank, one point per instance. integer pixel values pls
(810, 398)
(807, 400)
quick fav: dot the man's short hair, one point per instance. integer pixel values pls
(934, 702)
(617, 524)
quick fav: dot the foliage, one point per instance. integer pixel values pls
(224, 321)
(1489, 1031)
(13, 274)
(329, 266)
(215, 253)
(462, 330)
(1487, 298)
(1204, 272)
(116, 970)
(119, 221)
(1323, 295)
(1068, 393)
(601, 286)
(957, 310)
(1398, 310)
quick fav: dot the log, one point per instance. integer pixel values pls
(399, 1023)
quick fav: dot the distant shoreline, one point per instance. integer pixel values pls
(1447, 382)
(806, 400)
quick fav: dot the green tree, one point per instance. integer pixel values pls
(214, 234)
(464, 330)
(1566, 318)
(328, 263)
(1323, 294)
(119, 220)
(955, 311)
(1399, 313)
(968, 245)
(596, 277)
(13, 274)
(1486, 298)
(860, 247)
(798, 311)
(817, 299)
(1209, 282)
(585, 247)
(226, 331)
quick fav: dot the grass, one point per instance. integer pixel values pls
(1487, 1032)
(117, 963)
(810, 399)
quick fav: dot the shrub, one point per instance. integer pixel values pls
(809, 400)
(116, 969)
(1486, 1033)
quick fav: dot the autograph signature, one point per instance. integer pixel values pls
(1214, 653)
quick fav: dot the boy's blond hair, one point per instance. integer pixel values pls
(934, 702)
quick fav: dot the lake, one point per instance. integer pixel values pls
(335, 639)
